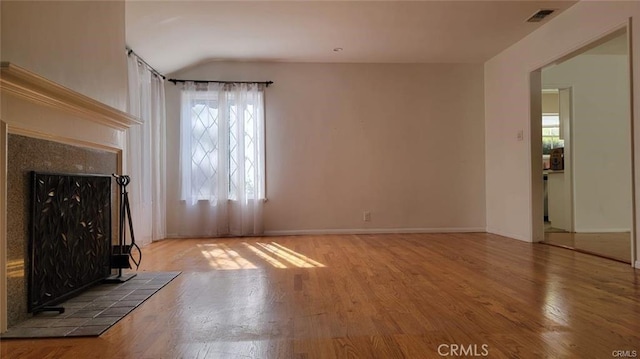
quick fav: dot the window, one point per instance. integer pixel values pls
(551, 133)
(222, 142)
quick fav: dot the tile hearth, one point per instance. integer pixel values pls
(95, 310)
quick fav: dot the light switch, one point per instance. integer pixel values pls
(520, 135)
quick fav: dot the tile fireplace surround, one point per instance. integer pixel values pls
(28, 154)
(49, 128)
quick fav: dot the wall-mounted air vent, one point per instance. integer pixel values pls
(540, 15)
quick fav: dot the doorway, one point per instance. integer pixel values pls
(556, 158)
(586, 143)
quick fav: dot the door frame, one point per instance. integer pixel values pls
(535, 148)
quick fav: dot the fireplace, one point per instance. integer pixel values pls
(47, 127)
(28, 154)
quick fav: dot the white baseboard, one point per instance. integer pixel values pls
(637, 264)
(373, 231)
(179, 236)
(299, 232)
(603, 230)
(508, 234)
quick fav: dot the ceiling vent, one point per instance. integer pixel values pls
(540, 15)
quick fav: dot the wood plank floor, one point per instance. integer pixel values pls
(612, 245)
(369, 296)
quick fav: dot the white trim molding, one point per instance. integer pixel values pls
(302, 232)
(297, 232)
(65, 140)
(637, 264)
(605, 230)
(25, 84)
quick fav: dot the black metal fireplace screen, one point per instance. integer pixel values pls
(70, 242)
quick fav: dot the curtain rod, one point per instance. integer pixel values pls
(153, 71)
(267, 83)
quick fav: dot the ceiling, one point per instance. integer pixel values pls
(173, 35)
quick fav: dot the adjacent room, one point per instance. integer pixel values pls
(319, 179)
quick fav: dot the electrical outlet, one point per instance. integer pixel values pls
(366, 216)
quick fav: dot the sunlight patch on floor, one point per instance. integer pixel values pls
(267, 258)
(296, 259)
(221, 256)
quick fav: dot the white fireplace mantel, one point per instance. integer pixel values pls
(15, 80)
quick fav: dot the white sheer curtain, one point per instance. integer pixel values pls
(145, 161)
(222, 159)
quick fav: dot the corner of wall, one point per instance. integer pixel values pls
(503, 233)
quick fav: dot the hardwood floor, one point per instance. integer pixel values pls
(370, 296)
(612, 245)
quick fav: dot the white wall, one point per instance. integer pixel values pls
(507, 105)
(78, 44)
(601, 139)
(404, 142)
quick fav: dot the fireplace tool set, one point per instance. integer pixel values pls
(121, 253)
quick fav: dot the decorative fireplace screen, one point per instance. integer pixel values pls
(69, 248)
